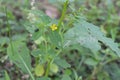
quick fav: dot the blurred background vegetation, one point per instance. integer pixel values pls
(103, 13)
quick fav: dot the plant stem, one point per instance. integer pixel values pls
(9, 30)
(48, 68)
(63, 13)
(61, 19)
(59, 24)
(111, 60)
(50, 62)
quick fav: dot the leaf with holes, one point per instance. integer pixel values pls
(89, 36)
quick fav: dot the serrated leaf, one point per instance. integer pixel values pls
(80, 35)
(60, 62)
(36, 35)
(30, 27)
(36, 53)
(55, 38)
(42, 20)
(89, 36)
(41, 16)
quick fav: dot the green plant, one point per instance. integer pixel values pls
(56, 41)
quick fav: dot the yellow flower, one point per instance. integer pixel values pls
(53, 27)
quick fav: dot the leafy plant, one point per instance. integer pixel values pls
(68, 48)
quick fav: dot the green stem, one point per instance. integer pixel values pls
(61, 19)
(50, 62)
(80, 63)
(9, 30)
(59, 24)
(48, 68)
(94, 72)
(63, 13)
(111, 60)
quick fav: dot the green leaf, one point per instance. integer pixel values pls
(91, 61)
(103, 75)
(30, 27)
(7, 76)
(19, 37)
(41, 21)
(36, 35)
(114, 71)
(60, 62)
(42, 18)
(66, 77)
(68, 72)
(4, 40)
(80, 35)
(89, 36)
(55, 38)
(19, 55)
(43, 78)
(36, 52)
